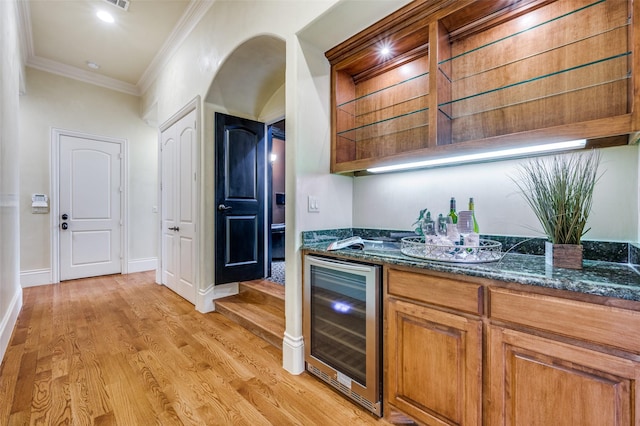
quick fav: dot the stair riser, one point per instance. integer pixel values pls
(258, 307)
(266, 335)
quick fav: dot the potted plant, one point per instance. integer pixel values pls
(560, 192)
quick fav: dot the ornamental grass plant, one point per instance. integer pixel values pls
(560, 192)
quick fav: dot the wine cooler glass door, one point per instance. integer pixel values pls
(339, 321)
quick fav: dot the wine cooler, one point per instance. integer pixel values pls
(342, 327)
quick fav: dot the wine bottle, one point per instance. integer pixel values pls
(452, 211)
(476, 229)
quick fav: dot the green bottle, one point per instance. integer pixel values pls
(452, 211)
(476, 229)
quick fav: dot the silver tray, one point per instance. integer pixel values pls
(486, 251)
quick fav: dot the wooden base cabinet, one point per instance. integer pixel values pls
(472, 351)
(434, 362)
(534, 381)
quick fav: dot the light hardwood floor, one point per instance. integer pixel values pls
(122, 350)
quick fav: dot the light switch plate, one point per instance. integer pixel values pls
(313, 205)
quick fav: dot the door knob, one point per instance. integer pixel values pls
(223, 208)
(174, 228)
(65, 216)
(64, 225)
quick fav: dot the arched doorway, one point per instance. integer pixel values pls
(250, 86)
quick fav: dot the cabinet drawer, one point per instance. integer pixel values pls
(450, 293)
(595, 323)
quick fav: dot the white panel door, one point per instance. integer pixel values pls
(179, 201)
(90, 207)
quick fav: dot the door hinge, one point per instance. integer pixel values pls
(120, 155)
(194, 175)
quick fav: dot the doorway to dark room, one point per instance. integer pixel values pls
(277, 183)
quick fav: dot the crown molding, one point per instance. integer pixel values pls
(187, 23)
(192, 15)
(25, 35)
(76, 73)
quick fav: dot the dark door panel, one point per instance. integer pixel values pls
(240, 150)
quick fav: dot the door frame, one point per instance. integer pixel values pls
(278, 134)
(194, 104)
(54, 182)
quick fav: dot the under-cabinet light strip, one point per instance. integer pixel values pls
(491, 155)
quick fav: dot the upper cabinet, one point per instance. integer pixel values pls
(467, 76)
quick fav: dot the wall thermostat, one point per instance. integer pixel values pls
(39, 204)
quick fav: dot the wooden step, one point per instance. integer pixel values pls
(258, 307)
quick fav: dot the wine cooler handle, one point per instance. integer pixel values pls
(342, 265)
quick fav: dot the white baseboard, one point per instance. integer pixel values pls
(35, 277)
(141, 265)
(224, 290)
(293, 354)
(205, 302)
(8, 322)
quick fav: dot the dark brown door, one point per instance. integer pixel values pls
(240, 158)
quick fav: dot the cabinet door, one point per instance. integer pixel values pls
(434, 362)
(535, 381)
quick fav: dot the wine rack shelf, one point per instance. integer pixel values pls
(472, 74)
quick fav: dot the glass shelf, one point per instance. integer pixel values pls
(388, 126)
(396, 108)
(611, 71)
(548, 61)
(403, 90)
(554, 25)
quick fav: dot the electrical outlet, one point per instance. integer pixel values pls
(313, 205)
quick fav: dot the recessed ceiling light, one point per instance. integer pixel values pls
(385, 50)
(105, 16)
(93, 65)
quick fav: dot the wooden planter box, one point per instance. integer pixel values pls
(563, 255)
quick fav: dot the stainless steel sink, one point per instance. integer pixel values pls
(383, 246)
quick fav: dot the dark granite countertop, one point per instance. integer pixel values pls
(601, 278)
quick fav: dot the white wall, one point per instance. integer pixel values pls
(53, 101)
(393, 201)
(10, 68)
(192, 69)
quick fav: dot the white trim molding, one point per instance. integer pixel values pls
(190, 18)
(35, 277)
(142, 265)
(79, 74)
(293, 353)
(8, 322)
(205, 302)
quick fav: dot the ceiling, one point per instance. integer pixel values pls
(62, 36)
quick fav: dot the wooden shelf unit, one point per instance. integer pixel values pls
(469, 75)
